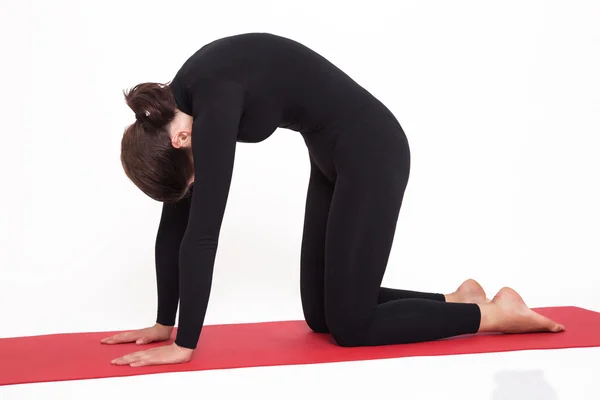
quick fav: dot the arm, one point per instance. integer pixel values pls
(217, 109)
(173, 223)
(172, 226)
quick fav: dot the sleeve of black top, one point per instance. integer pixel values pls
(217, 109)
(173, 222)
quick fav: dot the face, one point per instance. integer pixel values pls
(181, 135)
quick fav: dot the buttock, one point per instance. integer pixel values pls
(366, 143)
(374, 160)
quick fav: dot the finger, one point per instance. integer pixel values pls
(124, 360)
(129, 358)
(149, 359)
(121, 361)
(140, 363)
(144, 340)
(144, 358)
(125, 337)
(106, 339)
(111, 339)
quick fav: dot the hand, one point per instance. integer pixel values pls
(156, 333)
(170, 354)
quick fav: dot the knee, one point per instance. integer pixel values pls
(347, 332)
(316, 325)
(315, 319)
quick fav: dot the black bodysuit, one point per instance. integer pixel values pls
(241, 89)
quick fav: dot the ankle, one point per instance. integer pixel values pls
(489, 317)
(452, 298)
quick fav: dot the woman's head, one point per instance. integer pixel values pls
(156, 148)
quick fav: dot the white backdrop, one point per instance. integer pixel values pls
(500, 102)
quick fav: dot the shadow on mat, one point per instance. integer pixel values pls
(522, 385)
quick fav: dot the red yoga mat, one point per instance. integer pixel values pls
(75, 356)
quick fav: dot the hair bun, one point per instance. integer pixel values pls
(140, 116)
(152, 103)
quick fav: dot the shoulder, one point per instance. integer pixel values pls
(201, 90)
(207, 93)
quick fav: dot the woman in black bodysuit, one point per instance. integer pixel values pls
(180, 151)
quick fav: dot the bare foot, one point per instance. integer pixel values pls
(469, 292)
(508, 313)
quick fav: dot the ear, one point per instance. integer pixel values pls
(181, 139)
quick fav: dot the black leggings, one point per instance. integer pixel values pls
(359, 173)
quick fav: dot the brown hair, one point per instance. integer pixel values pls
(149, 159)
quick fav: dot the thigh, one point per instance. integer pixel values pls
(312, 259)
(372, 174)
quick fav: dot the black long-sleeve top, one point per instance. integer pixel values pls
(238, 89)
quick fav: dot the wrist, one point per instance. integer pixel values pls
(181, 349)
(163, 327)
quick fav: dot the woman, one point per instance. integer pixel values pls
(180, 151)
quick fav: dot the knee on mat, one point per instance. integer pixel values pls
(317, 325)
(315, 319)
(347, 333)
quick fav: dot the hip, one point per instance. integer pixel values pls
(371, 140)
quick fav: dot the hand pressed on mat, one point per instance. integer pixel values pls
(170, 354)
(156, 333)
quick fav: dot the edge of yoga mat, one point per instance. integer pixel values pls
(76, 356)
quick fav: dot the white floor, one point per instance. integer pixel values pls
(570, 374)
